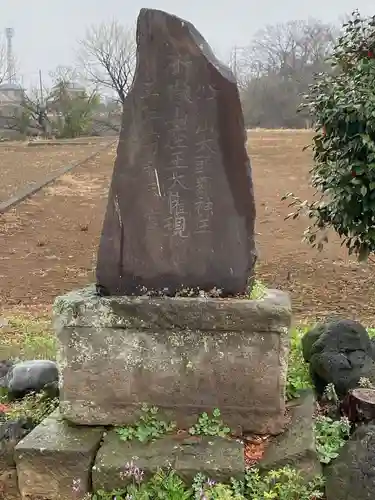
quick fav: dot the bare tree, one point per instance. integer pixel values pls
(61, 110)
(290, 47)
(65, 74)
(278, 66)
(4, 70)
(107, 56)
(30, 115)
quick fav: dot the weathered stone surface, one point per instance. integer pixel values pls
(309, 339)
(296, 445)
(341, 355)
(351, 476)
(81, 308)
(9, 484)
(218, 458)
(183, 355)
(55, 459)
(181, 207)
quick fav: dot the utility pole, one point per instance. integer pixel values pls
(41, 87)
(235, 61)
(9, 33)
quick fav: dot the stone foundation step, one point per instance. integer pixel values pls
(54, 461)
(296, 445)
(217, 458)
(59, 461)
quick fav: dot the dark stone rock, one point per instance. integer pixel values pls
(181, 207)
(341, 355)
(218, 458)
(11, 432)
(309, 339)
(351, 476)
(296, 445)
(32, 376)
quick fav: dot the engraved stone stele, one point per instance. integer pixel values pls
(181, 208)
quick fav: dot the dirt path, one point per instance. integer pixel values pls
(48, 244)
(22, 166)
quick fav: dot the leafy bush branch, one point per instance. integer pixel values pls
(342, 105)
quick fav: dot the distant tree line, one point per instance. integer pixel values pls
(273, 71)
(278, 67)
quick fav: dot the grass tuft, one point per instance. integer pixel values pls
(27, 337)
(258, 291)
(298, 370)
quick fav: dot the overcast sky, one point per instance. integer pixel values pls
(46, 31)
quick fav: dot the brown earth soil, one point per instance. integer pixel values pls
(48, 244)
(22, 166)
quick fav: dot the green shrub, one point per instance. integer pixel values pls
(34, 407)
(210, 425)
(258, 290)
(298, 371)
(342, 105)
(148, 427)
(330, 436)
(283, 484)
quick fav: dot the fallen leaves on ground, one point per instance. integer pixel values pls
(255, 447)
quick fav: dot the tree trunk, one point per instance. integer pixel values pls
(359, 405)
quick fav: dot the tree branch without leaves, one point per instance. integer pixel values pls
(107, 55)
(290, 47)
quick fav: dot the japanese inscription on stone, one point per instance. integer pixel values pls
(182, 179)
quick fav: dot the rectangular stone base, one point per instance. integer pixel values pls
(183, 355)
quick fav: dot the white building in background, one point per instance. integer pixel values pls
(11, 93)
(11, 99)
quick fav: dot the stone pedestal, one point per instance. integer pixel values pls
(183, 355)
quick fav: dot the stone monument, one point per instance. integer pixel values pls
(180, 217)
(179, 224)
(181, 209)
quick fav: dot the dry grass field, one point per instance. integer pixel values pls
(48, 243)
